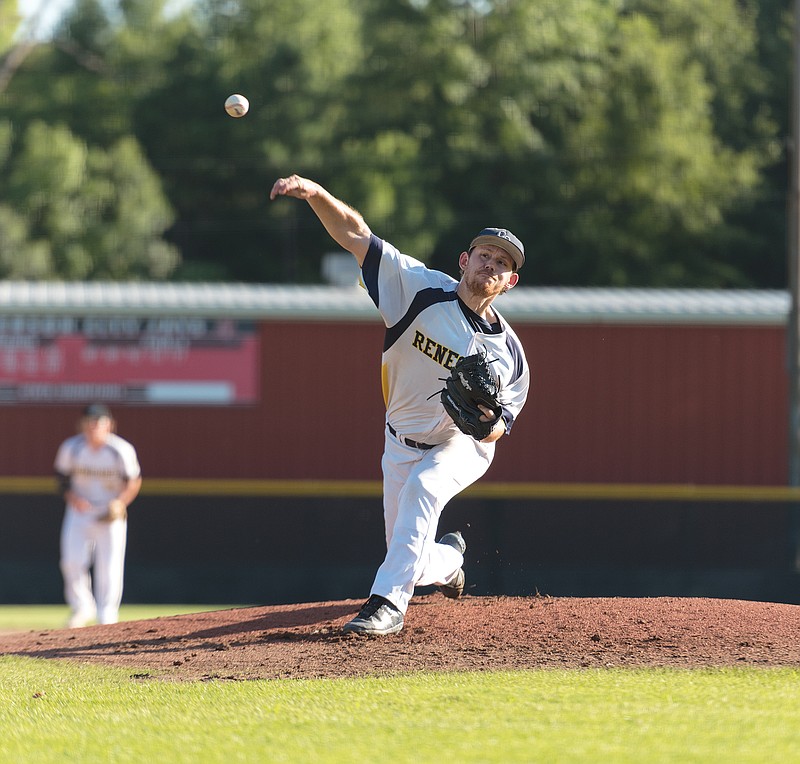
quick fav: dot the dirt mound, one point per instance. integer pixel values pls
(473, 633)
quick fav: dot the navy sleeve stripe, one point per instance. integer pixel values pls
(516, 354)
(509, 419)
(371, 267)
(423, 299)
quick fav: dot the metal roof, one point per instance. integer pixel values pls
(274, 301)
(679, 306)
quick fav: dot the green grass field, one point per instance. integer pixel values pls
(51, 711)
(25, 617)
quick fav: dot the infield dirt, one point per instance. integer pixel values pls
(470, 634)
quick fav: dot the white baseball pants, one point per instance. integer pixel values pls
(89, 543)
(417, 484)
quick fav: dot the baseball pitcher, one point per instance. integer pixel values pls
(454, 379)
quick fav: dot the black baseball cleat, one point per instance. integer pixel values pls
(454, 586)
(377, 617)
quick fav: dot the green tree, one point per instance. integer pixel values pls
(290, 60)
(414, 134)
(764, 222)
(622, 140)
(20, 258)
(744, 52)
(80, 198)
(79, 212)
(652, 179)
(9, 22)
(511, 169)
(628, 142)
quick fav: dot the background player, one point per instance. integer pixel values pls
(431, 320)
(96, 469)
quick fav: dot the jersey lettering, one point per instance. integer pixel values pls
(95, 472)
(438, 352)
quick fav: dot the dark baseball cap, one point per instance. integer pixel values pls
(503, 238)
(96, 410)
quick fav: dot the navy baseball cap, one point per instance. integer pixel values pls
(503, 238)
(96, 410)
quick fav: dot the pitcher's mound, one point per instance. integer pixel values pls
(470, 634)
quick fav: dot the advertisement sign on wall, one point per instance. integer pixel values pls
(125, 359)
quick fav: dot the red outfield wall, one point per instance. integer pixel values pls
(705, 405)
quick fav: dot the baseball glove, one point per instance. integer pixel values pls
(116, 511)
(470, 383)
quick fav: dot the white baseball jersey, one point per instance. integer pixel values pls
(97, 475)
(428, 328)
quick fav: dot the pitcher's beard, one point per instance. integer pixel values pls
(482, 288)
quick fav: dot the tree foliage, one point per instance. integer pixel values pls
(9, 23)
(81, 212)
(627, 142)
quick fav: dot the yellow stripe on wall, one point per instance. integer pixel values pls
(372, 489)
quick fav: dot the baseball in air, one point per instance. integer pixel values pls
(236, 105)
